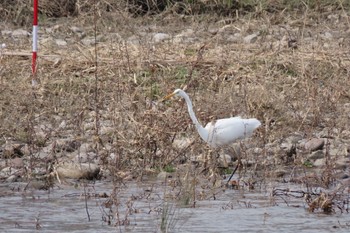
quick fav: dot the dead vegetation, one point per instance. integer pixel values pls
(293, 76)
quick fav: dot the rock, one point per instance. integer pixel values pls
(38, 185)
(67, 145)
(62, 125)
(333, 17)
(295, 138)
(202, 158)
(114, 37)
(89, 126)
(8, 171)
(125, 176)
(25, 150)
(159, 37)
(280, 172)
(224, 160)
(182, 143)
(85, 148)
(12, 149)
(20, 33)
(319, 162)
(89, 157)
(113, 158)
(134, 40)
(258, 151)
(163, 175)
(76, 29)
(286, 145)
(78, 171)
(235, 38)
(250, 38)
(342, 163)
(16, 163)
(235, 151)
(6, 33)
(12, 178)
(107, 130)
(327, 36)
(88, 41)
(186, 36)
(42, 155)
(61, 42)
(338, 149)
(316, 155)
(314, 144)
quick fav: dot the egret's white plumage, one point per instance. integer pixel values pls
(220, 132)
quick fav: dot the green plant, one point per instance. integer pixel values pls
(169, 168)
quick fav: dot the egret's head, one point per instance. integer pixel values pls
(177, 92)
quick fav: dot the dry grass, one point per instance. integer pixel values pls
(299, 89)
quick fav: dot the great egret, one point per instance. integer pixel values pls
(221, 132)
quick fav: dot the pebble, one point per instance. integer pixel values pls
(316, 155)
(250, 38)
(319, 162)
(280, 172)
(159, 37)
(314, 144)
(20, 33)
(61, 42)
(182, 143)
(78, 170)
(224, 160)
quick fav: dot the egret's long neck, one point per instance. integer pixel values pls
(202, 132)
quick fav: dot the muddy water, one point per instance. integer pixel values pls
(64, 209)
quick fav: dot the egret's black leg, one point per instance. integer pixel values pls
(234, 171)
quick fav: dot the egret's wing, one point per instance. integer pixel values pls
(228, 130)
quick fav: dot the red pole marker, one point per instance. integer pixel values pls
(35, 40)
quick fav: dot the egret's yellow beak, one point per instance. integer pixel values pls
(168, 96)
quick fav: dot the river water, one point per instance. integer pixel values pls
(139, 207)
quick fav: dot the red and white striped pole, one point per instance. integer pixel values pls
(35, 41)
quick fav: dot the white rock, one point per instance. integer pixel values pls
(6, 32)
(342, 163)
(61, 42)
(236, 37)
(225, 160)
(319, 162)
(78, 170)
(20, 33)
(202, 158)
(85, 148)
(107, 130)
(12, 178)
(112, 157)
(159, 37)
(314, 144)
(62, 125)
(327, 35)
(76, 30)
(163, 175)
(250, 38)
(89, 41)
(319, 154)
(8, 171)
(182, 143)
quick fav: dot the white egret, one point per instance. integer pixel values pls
(221, 132)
